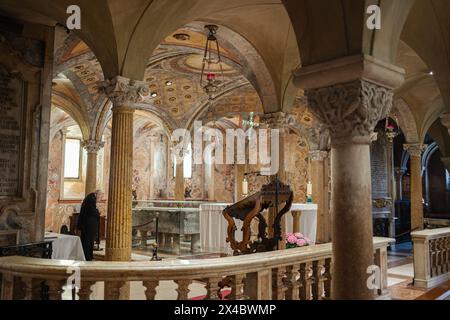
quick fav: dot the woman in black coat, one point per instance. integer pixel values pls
(88, 224)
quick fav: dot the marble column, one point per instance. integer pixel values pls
(92, 148)
(349, 96)
(415, 151)
(319, 180)
(399, 173)
(124, 94)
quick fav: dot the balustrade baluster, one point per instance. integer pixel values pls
(317, 280)
(291, 283)
(113, 290)
(55, 289)
(213, 288)
(278, 287)
(433, 257)
(183, 289)
(85, 291)
(258, 285)
(7, 290)
(31, 288)
(305, 281)
(150, 289)
(447, 250)
(237, 287)
(327, 279)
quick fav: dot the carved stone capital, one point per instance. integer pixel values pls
(415, 149)
(124, 92)
(93, 146)
(318, 155)
(350, 110)
(277, 120)
(400, 172)
(381, 203)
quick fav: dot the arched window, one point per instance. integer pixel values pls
(72, 158)
(187, 163)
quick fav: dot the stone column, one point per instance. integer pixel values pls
(391, 179)
(415, 151)
(92, 147)
(319, 182)
(399, 173)
(239, 172)
(349, 96)
(124, 94)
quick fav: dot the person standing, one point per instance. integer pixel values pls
(89, 222)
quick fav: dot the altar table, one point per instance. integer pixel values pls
(213, 226)
(65, 247)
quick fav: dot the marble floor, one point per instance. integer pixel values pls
(401, 274)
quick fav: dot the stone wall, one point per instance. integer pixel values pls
(26, 51)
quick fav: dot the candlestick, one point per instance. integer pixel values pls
(245, 187)
(309, 189)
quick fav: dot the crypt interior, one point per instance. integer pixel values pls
(358, 119)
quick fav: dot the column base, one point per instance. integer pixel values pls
(118, 254)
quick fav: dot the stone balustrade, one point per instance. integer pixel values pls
(293, 274)
(431, 257)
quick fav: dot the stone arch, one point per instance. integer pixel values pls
(431, 149)
(345, 32)
(98, 34)
(200, 109)
(72, 108)
(405, 120)
(260, 30)
(435, 109)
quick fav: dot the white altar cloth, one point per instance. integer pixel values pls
(65, 247)
(308, 220)
(213, 226)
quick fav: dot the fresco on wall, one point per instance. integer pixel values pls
(223, 183)
(297, 166)
(52, 216)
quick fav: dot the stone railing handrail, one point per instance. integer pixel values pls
(431, 257)
(313, 259)
(431, 233)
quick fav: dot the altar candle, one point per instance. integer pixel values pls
(245, 187)
(309, 189)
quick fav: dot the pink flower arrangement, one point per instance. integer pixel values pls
(296, 240)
